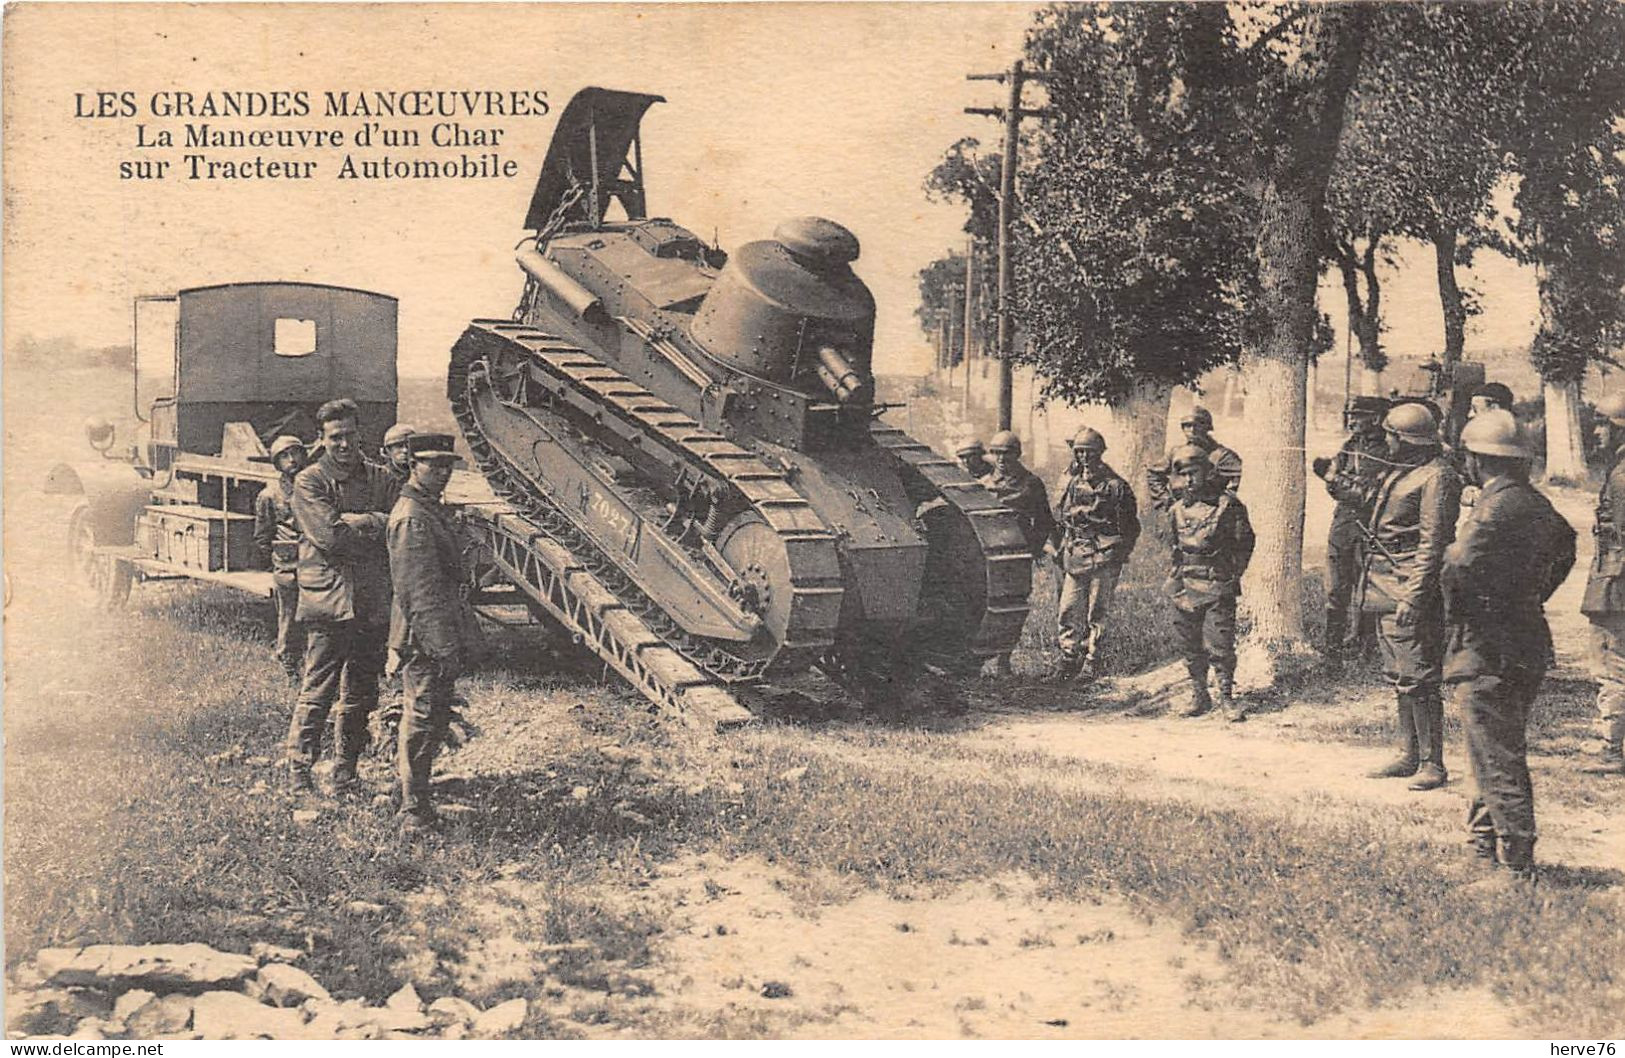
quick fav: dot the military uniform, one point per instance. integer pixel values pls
(1514, 551)
(1098, 524)
(1213, 543)
(1226, 468)
(276, 537)
(1352, 480)
(344, 602)
(1604, 605)
(431, 629)
(1023, 492)
(1413, 519)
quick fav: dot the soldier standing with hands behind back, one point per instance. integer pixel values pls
(1213, 544)
(1513, 552)
(276, 535)
(431, 627)
(1098, 523)
(1351, 478)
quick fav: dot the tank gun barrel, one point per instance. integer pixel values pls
(581, 301)
(839, 376)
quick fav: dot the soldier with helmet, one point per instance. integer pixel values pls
(1198, 427)
(1020, 490)
(276, 536)
(1604, 600)
(1351, 477)
(1513, 551)
(1412, 521)
(972, 457)
(1097, 524)
(1213, 543)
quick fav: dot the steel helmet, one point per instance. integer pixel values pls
(1189, 455)
(1197, 416)
(1413, 423)
(1612, 408)
(1005, 441)
(969, 446)
(1090, 439)
(397, 434)
(1494, 433)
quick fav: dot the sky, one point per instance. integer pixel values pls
(774, 111)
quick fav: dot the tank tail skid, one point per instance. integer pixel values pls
(560, 584)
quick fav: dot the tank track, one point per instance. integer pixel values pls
(809, 546)
(1007, 559)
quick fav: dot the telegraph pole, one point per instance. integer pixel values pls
(1011, 113)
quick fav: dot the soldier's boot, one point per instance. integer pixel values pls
(1404, 765)
(1069, 666)
(1235, 710)
(351, 741)
(1484, 847)
(1611, 761)
(1335, 643)
(1518, 857)
(1089, 671)
(300, 780)
(1428, 711)
(1201, 703)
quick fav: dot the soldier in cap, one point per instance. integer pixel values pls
(276, 537)
(1020, 490)
(972, 457)
(1513, 551)
(1351, 478)
(1491, 396)
(1198, 427)
(340, 504)
(1213, 543)
(1412, 521)
(431, 627)
(1097, 524)
(397, 460)
(1604, 600)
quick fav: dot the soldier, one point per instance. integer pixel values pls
(1604, 600)
(973, 457)
(1513, 552)
(1351, 478)
(397, 460)
(1020, 490)
(1198, 427)
(1213, 543)
(1490, 397)
(1097, 525)
(430, 625)
(344, 594)
(277, 539)
(1413, 519)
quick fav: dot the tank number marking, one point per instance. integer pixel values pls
(620, 526)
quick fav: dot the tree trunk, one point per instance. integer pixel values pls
(1370, 332)
(1140, 427)
(1290, 198)
(1565, 443)
(1371, 383)
(1455, 313)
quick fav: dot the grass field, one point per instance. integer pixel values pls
(1027, 861)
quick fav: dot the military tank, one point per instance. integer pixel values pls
(701, 431)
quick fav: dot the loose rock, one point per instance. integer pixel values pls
(130, 1002)
(365, 907)
(288, 986)
(500, 1020)
(162, 967)
(234, 1016)
(450, 1010)
(167, 1016)
(405, 999)
(274, 953)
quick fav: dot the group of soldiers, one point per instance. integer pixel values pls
(367, 573)
(1455, 603)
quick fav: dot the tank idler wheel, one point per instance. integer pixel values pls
(105, 581)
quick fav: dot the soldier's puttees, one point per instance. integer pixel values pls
(1213, 542)
(1352, 477)
(1197, 425)
(431, 628)
(339, 502)
(1604, 600)
(1097, 522)
(276, 539)
(1023, 492)
(1513, 551)
(1413, 520)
